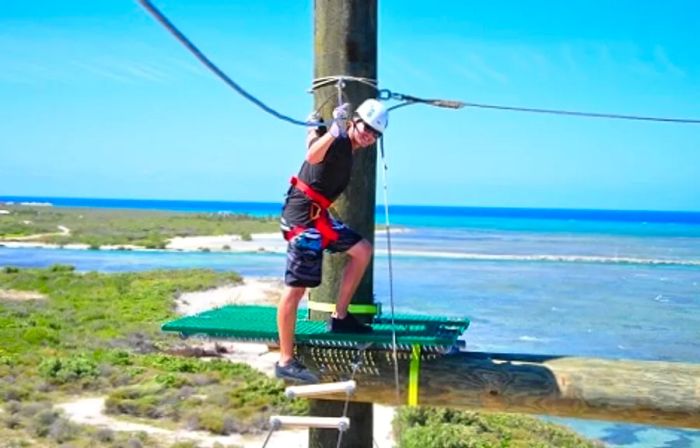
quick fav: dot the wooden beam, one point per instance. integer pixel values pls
(650, 392)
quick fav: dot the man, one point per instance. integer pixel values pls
(309, 229)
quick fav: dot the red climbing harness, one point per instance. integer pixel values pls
(318, 213)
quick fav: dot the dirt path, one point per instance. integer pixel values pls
(90, 411)
(17, 295)
(62, 231)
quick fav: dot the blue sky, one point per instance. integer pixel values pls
(97, 100)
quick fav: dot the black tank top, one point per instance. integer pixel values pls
(329, 177)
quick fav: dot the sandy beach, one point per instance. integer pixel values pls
(258, 242)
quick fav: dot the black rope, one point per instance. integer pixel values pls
(211, 66)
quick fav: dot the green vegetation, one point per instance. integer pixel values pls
(99, 227)
(98, 335)
(425, 427)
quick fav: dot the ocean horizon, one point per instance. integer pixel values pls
(273, 208)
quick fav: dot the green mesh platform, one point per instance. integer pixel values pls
(259, 324)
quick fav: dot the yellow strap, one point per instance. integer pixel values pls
(355, 308)
(413, 380)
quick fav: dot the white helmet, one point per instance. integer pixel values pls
(374, 113)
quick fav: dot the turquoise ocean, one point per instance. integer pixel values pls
(611, 284)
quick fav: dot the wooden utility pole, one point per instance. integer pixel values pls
(650, 392)
(345, 43)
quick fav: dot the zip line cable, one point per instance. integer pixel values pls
(450, 104)
(383, 93)
(584, 114)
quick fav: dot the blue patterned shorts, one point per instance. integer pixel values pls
(305, 254)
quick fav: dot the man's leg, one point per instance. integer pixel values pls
(359, 256)
(286, 321)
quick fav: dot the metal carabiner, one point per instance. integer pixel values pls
(384, 94)
(340, 85)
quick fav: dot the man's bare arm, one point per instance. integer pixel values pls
(317, 146)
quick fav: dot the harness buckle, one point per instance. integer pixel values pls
(315, 211)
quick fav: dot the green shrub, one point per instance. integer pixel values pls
(441, 435)
(43, 421)
(424, 427)
(213, 421)
(62, 431)
(171, 380)
(153, 244)
(39, 335)
(104, 435)
(119, 358)
(64, 370)
(30, 409)
(137, 401)
(18, 392)
(184, 444)
(146, 407)
(11, 421)
(8, 360)
(61, 268)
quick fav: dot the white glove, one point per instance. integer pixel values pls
(340, 118)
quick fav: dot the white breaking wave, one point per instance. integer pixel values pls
(35, 204)
(544, 257)
(527, 338)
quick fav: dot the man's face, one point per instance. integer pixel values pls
(364, 134)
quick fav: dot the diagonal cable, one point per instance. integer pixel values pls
(211, 66)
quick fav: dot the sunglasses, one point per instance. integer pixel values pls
(368, 129)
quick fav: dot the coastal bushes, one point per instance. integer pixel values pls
(99, 334)
(216, 396)
(427, 427)
(101, 227)
(68, 369)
